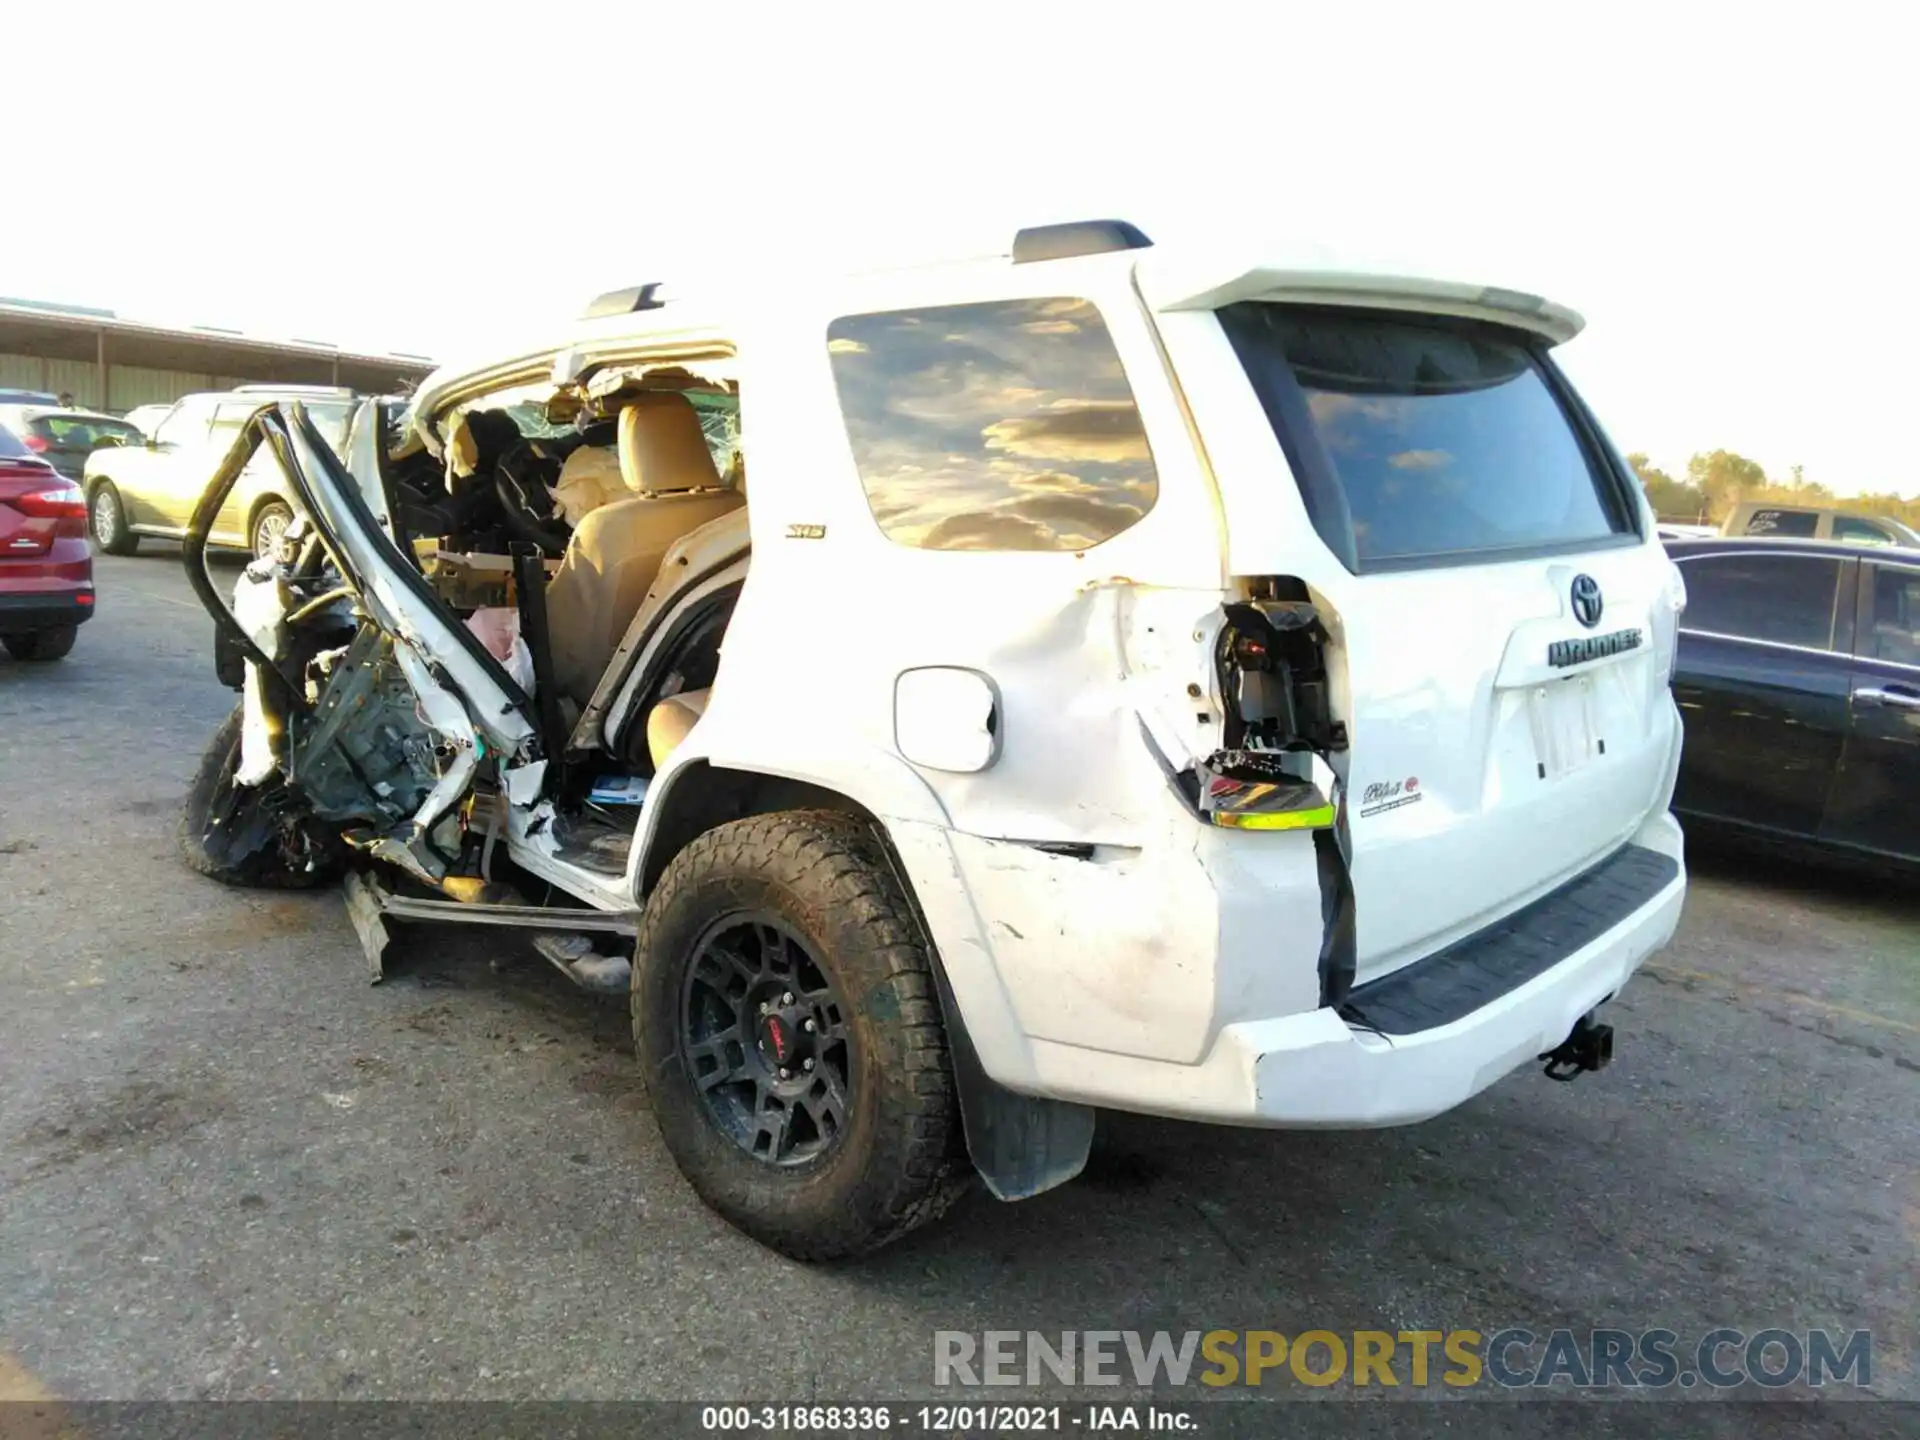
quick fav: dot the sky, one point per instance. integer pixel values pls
(1725, 195)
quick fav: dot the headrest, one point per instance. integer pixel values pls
(662, 447)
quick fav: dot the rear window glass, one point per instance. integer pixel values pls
(72, 431)
(10, 446)
(1796, 523)
(1420, 442)
(1000, 426)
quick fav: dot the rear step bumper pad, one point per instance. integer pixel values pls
(1317, 1070)
(1451, 984)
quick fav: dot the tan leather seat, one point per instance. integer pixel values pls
(615, 553)
(670, 720)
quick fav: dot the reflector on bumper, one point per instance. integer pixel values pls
(1317, 815)
(1251, 791)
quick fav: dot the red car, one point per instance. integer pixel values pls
(46, 567)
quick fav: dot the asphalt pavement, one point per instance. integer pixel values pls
(230, 1168)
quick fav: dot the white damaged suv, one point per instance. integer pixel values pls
(953, 699)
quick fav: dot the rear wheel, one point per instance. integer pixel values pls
(250, 836)
(42, 644)
(107, 516)
(788, 1029)
(270, 523)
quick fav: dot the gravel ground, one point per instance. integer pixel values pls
(229, 1168)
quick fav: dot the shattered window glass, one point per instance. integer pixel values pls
(999, 426)
(720, 423)
(524, 405)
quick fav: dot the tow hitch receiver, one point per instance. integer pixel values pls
(1589, 1047)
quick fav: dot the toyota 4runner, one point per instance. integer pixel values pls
(1233, 691)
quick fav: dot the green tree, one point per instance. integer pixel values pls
(1671, 499)
(1722, 478)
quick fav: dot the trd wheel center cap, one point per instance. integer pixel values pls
(784, 1041)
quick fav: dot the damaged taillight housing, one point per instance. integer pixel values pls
(1670, 605)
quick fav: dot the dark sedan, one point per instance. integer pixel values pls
(1799, 681)
(64, 437)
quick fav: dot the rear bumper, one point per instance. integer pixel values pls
(22, 611)
(1315, 1069)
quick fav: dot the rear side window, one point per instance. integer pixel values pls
(1798, 524)
(1422, 442)
(1785, 599)
(329, 418)
(227, 422)
(1000, 426)
(1895, 632)
(1860, 532)
(187, 425)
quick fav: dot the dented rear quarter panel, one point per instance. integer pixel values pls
(1168, 930)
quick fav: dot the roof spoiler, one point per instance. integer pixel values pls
(632, 299)
(1197, 287)
(1076, 237)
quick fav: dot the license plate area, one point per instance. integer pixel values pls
(1561, 716)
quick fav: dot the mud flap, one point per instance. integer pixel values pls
(1021, 1146)
(1338, 954)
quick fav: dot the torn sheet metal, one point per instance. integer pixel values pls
(442, 711)
(411, 618)
(523, 782)
(721, 372)
(364, 910)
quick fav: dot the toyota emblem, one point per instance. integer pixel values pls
(1587, 605)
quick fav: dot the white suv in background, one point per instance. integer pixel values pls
(150, 488)
(1235, 691)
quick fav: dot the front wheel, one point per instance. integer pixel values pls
(249, 836)
(790, 1036)
(42, 644)
(270, 524)
(107, 516)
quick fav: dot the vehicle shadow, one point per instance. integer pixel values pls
(1811, 877)
(1628, 1199)
(1177, 1225)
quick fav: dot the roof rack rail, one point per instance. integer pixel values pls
(1076, 237)
(267, 387)
(625, 302)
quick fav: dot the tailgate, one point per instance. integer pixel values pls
(1497, 747)
(1498, 648)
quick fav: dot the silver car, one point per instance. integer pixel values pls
(151, 486)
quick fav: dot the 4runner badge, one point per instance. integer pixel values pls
(1562, 653)
(1384, 795)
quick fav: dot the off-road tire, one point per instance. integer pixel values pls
(107, 520)
(264, 870)
(42, 644)
(902, 1160)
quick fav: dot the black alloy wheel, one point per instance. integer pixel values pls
(767, 1041)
